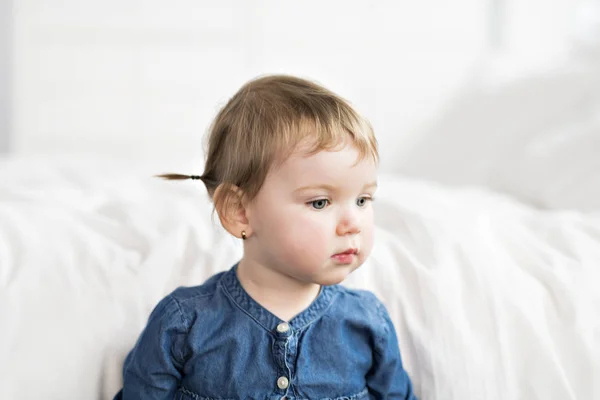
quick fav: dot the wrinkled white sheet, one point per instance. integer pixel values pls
(491, 299)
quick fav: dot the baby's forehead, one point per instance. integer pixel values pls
(327, 165)
(347, 150)
(311, 140)
(311, 157)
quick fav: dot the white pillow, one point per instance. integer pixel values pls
(536, 137)
(559, 169)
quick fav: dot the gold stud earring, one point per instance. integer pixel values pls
(244, 235)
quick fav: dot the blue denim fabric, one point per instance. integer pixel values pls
(215, 342)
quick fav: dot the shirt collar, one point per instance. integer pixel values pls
(232, 286)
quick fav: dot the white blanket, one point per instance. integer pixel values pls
(491, 299)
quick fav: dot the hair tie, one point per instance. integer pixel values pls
(195, 177)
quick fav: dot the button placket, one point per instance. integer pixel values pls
(283, 333)
(291, 354)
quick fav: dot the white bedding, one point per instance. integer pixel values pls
(491, 299)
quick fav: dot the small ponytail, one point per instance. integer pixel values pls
(211, 184)
(178, 177)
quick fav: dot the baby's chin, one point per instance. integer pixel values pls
(336, 275)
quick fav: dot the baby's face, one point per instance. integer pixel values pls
(312, 208)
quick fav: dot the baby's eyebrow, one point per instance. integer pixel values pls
(320, 186)
(331, 188)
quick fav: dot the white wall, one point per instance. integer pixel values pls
(5, 74)
(144, 78)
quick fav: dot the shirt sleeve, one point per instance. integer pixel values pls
(153, 369)
(387, 378)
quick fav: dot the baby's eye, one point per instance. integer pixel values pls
(319, 204)
(362, 201)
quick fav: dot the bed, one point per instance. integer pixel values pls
(492, 297)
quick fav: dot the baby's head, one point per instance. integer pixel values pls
(291, 168)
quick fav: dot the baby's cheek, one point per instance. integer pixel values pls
(315, 237)
(311, 236)
(367, 239)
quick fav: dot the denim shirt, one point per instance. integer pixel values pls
(214, 342)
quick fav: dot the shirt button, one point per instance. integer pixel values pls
(282, 382)
(283, 327)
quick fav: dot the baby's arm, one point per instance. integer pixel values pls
(387, 378)
(153, 368)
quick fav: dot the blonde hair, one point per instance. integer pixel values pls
(265, 122)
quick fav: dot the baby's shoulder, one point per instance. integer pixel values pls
(358, 297)
(200, 293)
(191, 302)
(361, 304)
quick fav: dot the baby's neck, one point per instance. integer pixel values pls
(281, 295)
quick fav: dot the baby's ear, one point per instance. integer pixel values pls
(230, 206)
